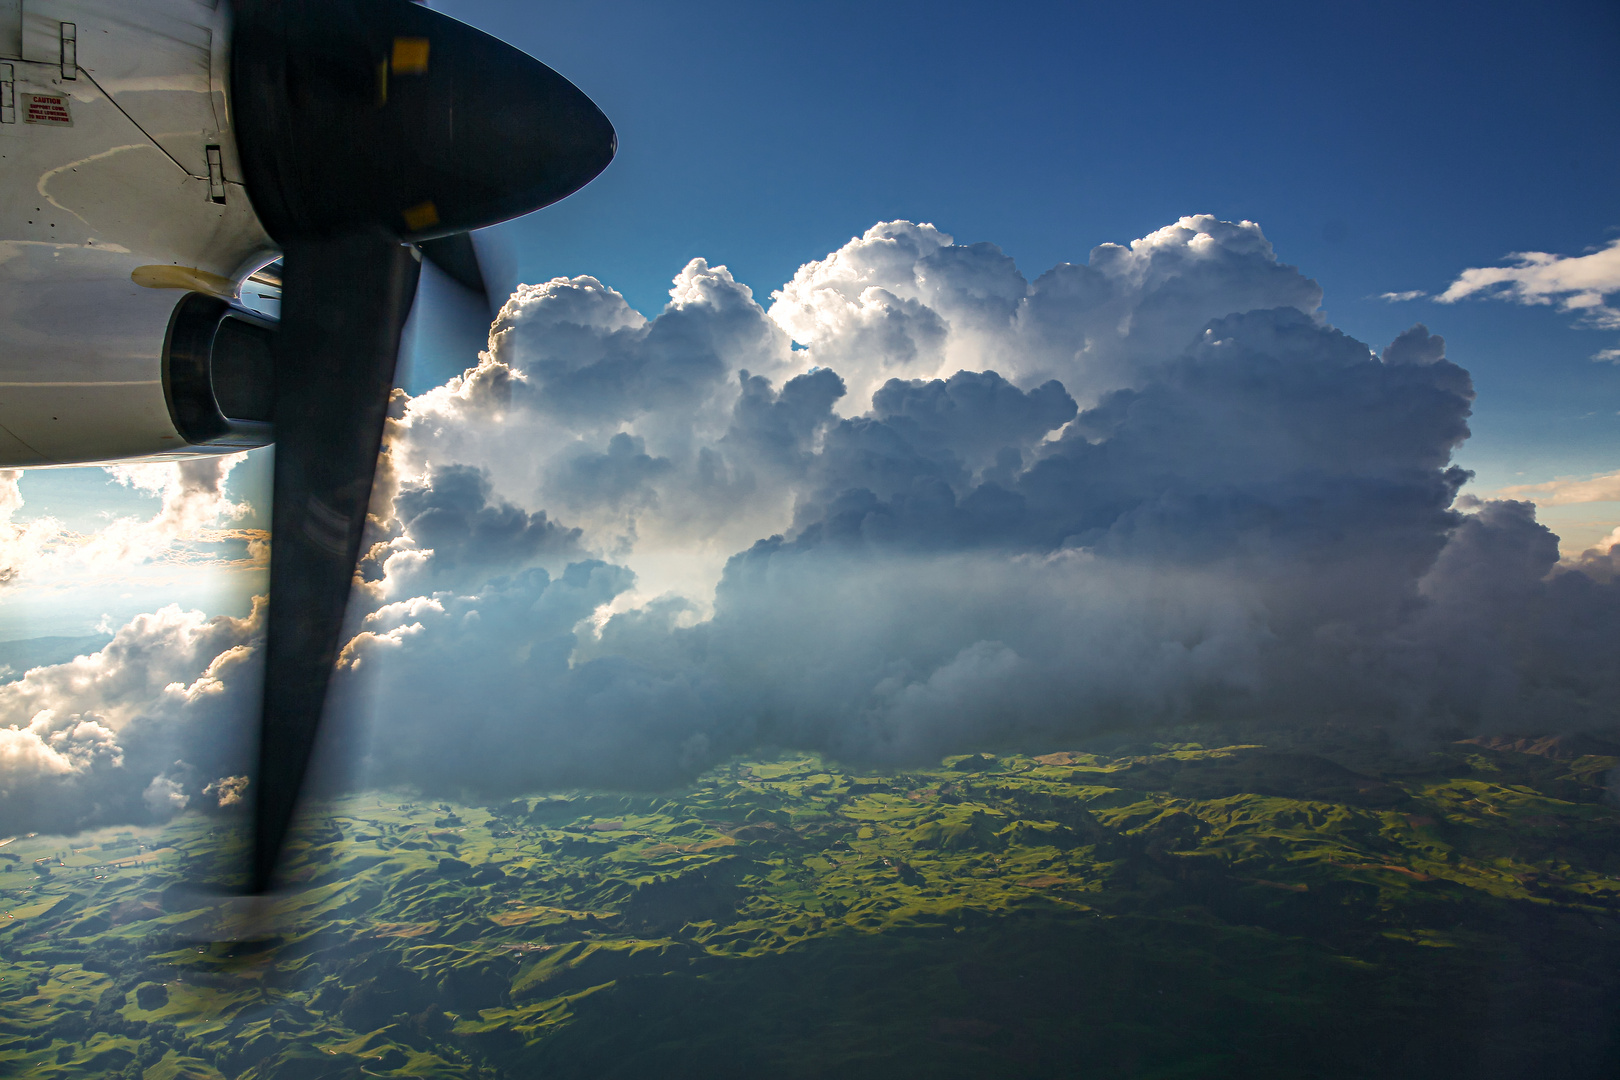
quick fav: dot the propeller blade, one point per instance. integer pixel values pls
(360, 124)
(458, 258)
(454, 313)
(344, 302)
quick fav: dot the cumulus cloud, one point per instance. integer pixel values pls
(226, 791)
(100, 738)
(905, 301)
(921, 504)
(24, 546)
(193, 492)
(1402, 297)
(164, 797)
(1580, 284)
(624, 429)
(966, 510)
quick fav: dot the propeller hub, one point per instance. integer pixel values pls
(385, 115)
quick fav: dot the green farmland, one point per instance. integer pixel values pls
(1220, 907)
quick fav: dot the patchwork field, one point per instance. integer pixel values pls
(1248, 907)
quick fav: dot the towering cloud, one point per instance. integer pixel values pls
(919, 505)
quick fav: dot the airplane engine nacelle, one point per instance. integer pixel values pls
(218, 373)
(121, 190)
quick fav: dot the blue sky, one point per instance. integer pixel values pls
(1382, 147)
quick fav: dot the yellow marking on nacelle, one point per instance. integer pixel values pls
(162, 276)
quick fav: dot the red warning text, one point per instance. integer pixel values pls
(46, 109)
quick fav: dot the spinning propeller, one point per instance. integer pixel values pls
(365, 127)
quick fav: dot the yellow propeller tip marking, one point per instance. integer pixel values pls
(423, 215)
(410, 56)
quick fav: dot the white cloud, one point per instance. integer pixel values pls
(165, 797)
(904, 301)
(618, 427)
(1567, 490)
(50, 745)
(1579, 284)
(193, 493)
(1402, 297)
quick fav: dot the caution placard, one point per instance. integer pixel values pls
(47, 109)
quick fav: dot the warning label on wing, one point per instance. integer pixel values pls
(47, 109)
